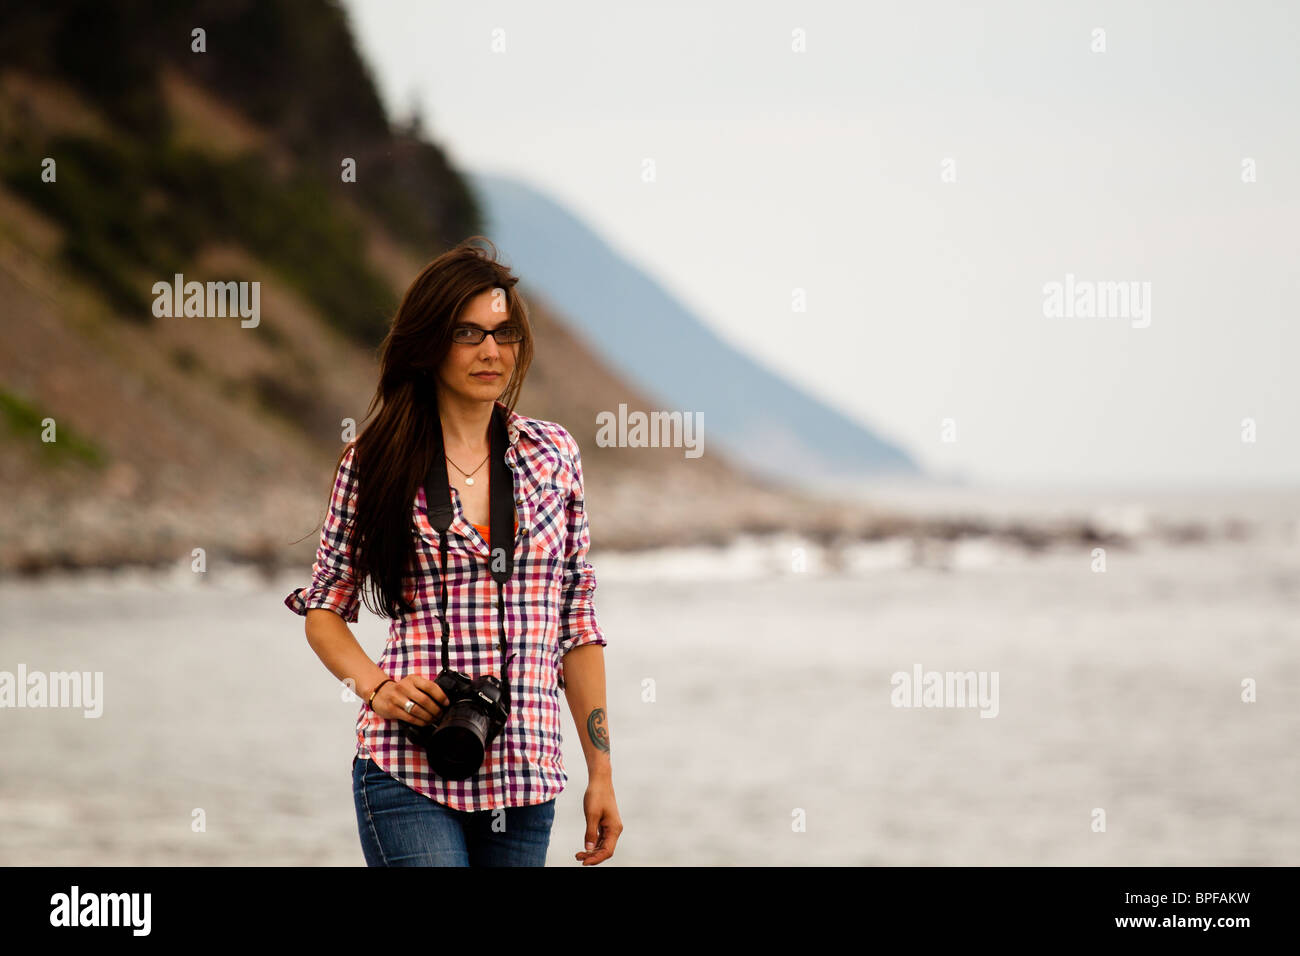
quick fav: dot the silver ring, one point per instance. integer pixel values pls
(409, 705)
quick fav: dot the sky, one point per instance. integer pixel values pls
(874, 199)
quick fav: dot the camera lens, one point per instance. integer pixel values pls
(457, 748)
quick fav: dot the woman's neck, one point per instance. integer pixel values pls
(465, 424)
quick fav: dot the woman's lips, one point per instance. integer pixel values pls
(487, 374)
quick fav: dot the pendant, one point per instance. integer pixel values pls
(469, 481)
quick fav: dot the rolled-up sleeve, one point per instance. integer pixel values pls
(578, 623)
(333, 585)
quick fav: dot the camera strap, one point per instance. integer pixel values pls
(437, 493)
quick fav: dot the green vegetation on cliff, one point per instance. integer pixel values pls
(138, 203)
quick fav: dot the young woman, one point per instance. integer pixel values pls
(460, 340)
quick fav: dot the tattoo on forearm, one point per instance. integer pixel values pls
(596, 729)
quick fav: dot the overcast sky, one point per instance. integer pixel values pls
(824, 170)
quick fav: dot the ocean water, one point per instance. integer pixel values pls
(752, 700)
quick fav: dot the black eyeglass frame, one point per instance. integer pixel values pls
(480, 334)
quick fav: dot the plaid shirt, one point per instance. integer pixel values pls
(549, 612)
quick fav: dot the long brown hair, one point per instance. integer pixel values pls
(395, 449)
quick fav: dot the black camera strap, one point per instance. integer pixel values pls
(437, 494)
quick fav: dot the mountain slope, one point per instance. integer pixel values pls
(755, 416)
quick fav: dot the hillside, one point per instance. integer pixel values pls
(178, 433)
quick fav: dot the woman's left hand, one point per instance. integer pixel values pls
(603, 822)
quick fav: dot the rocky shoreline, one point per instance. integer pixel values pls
(161, 537)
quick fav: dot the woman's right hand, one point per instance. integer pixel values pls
(430, 700)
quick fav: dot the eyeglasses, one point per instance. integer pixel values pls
(503, 335)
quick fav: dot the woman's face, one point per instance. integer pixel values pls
(460, 370)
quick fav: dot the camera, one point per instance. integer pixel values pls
(457, 740)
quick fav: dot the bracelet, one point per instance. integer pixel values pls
(371, 702)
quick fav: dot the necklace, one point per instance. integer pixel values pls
(468, 479)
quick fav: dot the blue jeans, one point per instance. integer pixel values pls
(402, 827)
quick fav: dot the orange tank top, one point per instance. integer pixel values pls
(484, 530)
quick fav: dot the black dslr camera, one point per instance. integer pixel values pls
(458, 738)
